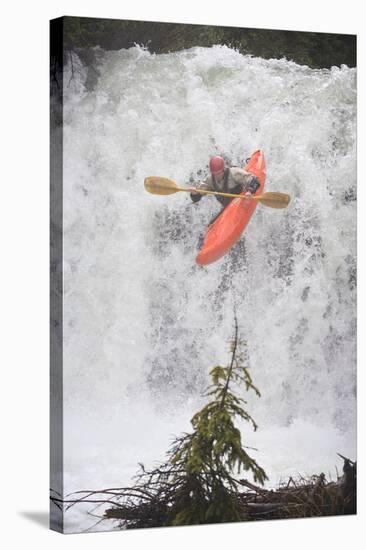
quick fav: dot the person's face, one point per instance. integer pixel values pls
(219, 176)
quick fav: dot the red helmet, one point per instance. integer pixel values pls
(217, 165)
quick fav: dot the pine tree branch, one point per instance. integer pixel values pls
(230, 370)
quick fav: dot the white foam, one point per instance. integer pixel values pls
(143, 324)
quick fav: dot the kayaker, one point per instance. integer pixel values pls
(225, 179)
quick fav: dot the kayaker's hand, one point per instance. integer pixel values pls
(195, 197)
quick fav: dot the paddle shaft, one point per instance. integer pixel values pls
(231, 195)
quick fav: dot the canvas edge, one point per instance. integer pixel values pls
(56, 517)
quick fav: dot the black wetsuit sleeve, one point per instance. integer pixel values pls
(253, 185)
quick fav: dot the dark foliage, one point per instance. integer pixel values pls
(317, 50)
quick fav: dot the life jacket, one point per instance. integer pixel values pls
(225, 201)
(223, 188)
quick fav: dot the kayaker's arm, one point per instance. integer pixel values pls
(205, 185)
(248, 181)
(253, 185)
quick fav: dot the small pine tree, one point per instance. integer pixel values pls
(207, 459)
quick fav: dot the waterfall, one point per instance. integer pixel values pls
(143, 324)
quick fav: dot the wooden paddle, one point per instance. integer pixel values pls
(166, 186)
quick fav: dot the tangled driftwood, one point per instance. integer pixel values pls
(305, 497)
(149, 506)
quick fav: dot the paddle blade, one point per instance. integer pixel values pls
(160, 186)
(274, 200)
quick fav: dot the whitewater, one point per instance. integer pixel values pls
(143, 324)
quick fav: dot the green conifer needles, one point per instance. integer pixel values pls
(212, 455)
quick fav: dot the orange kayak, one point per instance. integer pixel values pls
(228, 227)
